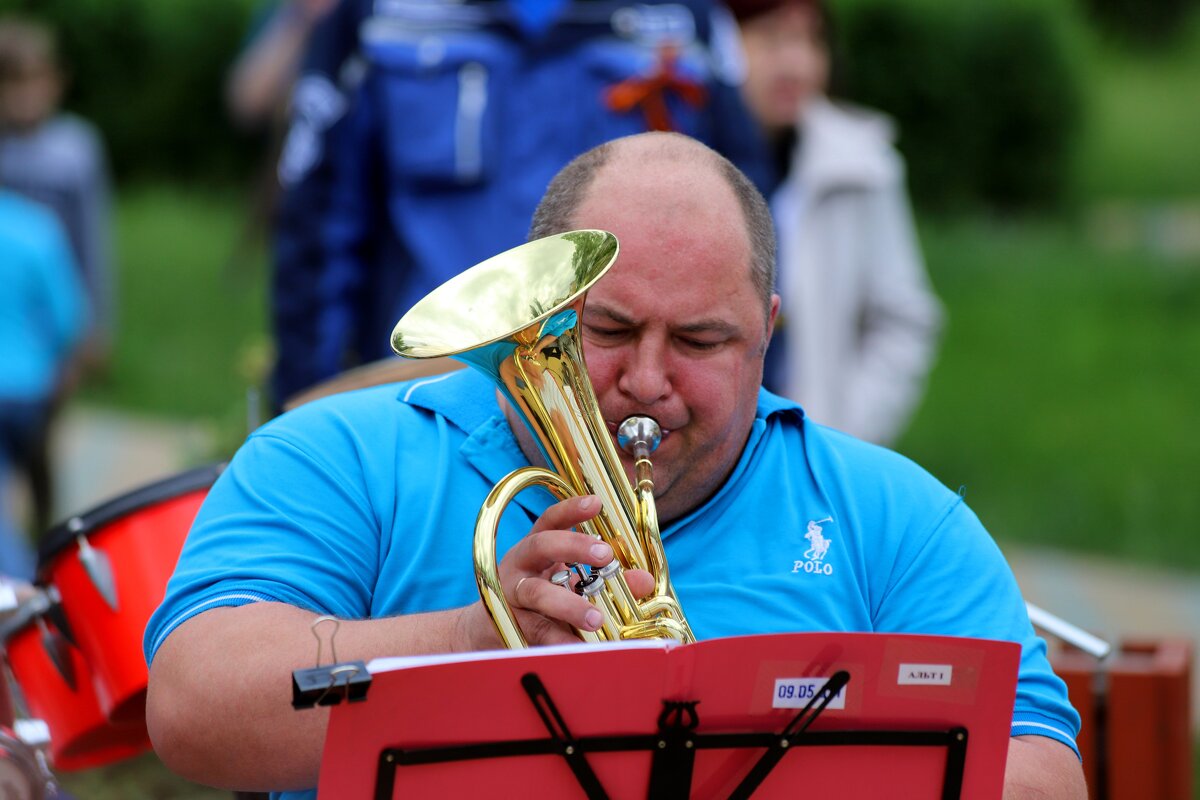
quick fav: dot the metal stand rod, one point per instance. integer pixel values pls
(1071, 634)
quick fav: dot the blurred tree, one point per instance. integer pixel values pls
(986, 96)
(150, 74)
(1142, 21)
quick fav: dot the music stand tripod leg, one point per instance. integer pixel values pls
(557, 727)
(799, 724)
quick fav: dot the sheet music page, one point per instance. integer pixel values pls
(390, 663)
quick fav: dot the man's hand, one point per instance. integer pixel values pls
(547, 613)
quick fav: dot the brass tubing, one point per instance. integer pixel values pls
(515, 318)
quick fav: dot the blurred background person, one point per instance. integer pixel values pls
(423, 134)
(57, 159)
(859, 320)
(43, 317)
(258, 92)
(261, 79)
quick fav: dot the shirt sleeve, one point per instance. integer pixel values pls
(954, 581)
(286, 522)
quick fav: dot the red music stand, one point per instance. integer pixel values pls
(821, 715)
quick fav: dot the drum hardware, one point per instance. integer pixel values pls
(8, 597)
(32, 739)
(34, 605)
(24, 774)
(34, 732)
(24, 770)
(52, 690)
(96, 564)
(515, 318)
(58, 617)
(75, 652)
(111, 565)
(56, 647)
(15, 594)
(331, 684)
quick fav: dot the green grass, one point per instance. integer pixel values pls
(1065, 395)
(192, 332)
(141, 778)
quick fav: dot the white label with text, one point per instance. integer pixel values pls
(925, 674)
(798, 692)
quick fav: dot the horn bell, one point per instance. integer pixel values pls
(515, 317)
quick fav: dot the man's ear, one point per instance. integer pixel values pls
(772, 318)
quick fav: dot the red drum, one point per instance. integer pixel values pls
(110, 567)
(57, 687)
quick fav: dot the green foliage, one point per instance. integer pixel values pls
(1065, 390)
(986, 95)
(1151, 22)
(149, 73)
(1143, 121)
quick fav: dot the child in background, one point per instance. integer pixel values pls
(57, 159)
(43, 314)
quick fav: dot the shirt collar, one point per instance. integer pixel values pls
(464, 397)
(769, 403)
(467, 400)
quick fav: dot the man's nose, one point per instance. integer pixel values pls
(644, 375)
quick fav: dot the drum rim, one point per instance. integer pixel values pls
(64, 533)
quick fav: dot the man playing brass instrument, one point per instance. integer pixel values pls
(360, 505)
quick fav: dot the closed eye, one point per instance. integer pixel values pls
(604, 334)
(699, 345)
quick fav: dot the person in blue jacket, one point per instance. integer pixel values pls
(362, 505)
(424, 133)
(43, 318)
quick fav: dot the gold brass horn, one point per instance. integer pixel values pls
(515, 318)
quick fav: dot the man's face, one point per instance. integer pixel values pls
(676, 330)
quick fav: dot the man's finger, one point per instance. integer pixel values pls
(556, 603)
(568, 513)
(541, 550)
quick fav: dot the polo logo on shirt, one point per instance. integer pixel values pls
(814, 557)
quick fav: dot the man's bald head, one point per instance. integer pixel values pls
(556, 211)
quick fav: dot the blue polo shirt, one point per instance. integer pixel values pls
(364, 504)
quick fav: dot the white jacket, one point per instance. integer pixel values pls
(858, 312)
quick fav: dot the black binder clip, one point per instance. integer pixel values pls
(329, 685)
